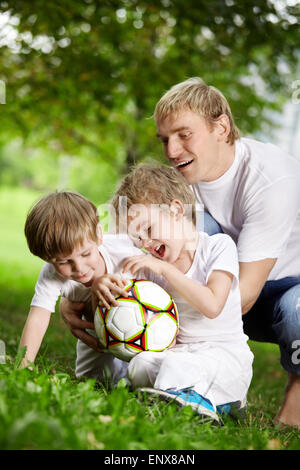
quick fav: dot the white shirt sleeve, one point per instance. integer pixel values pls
(47, 289)
(269, 219)
(222, 255)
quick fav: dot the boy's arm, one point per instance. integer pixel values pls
(208, 300)
(33, 332)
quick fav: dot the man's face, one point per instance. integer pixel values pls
(190, 146)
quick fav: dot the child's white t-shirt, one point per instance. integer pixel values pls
(215, 252)
(257, 203)
(51, 285)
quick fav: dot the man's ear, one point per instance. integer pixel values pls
(222, 127)
(99, 233)
(177, 208)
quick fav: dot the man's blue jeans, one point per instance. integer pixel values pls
(275, 316)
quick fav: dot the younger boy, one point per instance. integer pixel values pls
(211, 364)
(63, 229)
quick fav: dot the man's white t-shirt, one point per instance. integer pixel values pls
(215, 252)
(51, 285)
(257, 203)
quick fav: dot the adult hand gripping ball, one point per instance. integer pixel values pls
(145, 320)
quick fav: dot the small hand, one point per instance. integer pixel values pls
(135, 263)
(105, 286)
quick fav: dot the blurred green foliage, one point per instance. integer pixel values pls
(82, 77)
(37, 169)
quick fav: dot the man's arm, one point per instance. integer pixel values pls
(253, 276)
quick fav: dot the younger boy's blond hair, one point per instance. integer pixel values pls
(59, 222)
(195, 95)
(153, 184)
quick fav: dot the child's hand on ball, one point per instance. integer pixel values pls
(107, 287)
(135, 263)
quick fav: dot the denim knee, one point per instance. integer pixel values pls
(206, 223)
(286, 326)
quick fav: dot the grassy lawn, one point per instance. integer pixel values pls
(48, 408)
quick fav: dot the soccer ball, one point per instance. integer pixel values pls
(146, 320)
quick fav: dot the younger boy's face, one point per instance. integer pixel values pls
(82, 265)
(157, 230)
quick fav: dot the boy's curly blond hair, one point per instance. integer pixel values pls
(151, 183)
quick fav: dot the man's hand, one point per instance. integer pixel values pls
(71, 313)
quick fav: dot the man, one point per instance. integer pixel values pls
(253, 191)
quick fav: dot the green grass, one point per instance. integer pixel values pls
(48, 408)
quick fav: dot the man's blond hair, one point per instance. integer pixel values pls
(59, 222)
(150, 183)
(195, 95)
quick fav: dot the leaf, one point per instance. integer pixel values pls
(20, 356)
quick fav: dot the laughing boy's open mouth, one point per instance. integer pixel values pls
(160, 250)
